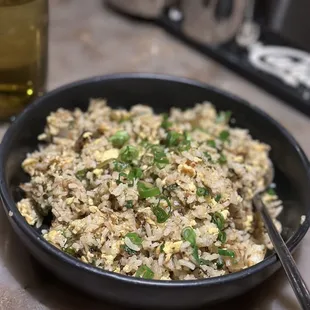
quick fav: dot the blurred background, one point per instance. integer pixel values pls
(45, 44)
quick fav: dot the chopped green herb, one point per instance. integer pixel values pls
(70, 251)
(222, 160)
(218, 197)
(129, 204)
(202, 191)
(161, 215)
(211, 143)
(134, 238)
(119, 166)
(147, 190)
(135, 173)
(129, 250)
(208, 156)
(220, 263)
(81, 174)
(161, 248)
(129, 153)
(160, 157)
(121, 174)
(205, 262)
(144, 272)
(188, 234)
(223, 117)
(185, 144)
(222, 236)
(165, 123)
(171, 187)
(224, 135)
(226, 253)
(173, 138)
(271, 192)
(218, 220)
(119, 138)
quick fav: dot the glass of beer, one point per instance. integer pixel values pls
(23, 53)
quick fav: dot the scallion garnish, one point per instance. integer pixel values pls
(161, 215)
(211, 143)
(222, 236)
(161, 248)
(121, 174)
(165, 123)
(202, 191)
(218, 220)
(205, 262)
(81, 174)
(129, 204)
(173, 138)
(135, 173)
(224, 135)
(185, 143)
(119, 166)
(223, 117)
(119, 138)
(271, 192)
(222, 159)
(144, 272)
(129, 250)
(220, 263)
(218, 197)
(128, 153)
(147, 190)
(208, 156)
(189, 235)
(160, 157)
(226, 253)
(134, 238)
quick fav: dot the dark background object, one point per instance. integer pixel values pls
(161, 92)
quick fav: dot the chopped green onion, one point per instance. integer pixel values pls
(161, 248)
(119, 138)
(119, 166)
(205, 262)
(218, 220)
(147, 190)
(160, 157)
(171, 187)
(134, 238)
(211, 143)
(222, 236)
(128, 153)
(173, 138)
(188, 234)
(129, 204)
(223, 117)
(185, 144)
(135, 173)
(144, 272)
(81, 174)
(161, 215)
(220, 263)
(129, 250)
(208, 156)
(202, 191)
(271, 192)
(165, 123)
(224, 135)
(70, 251)
(222, 160)
(218, 197)
(121, 174)
(226, 253)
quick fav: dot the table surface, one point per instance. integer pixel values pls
(85, 40)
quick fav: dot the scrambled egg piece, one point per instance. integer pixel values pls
(109, 154)
(172, 247)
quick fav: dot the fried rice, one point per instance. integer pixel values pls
(165, 197)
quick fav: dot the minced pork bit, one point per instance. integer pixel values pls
(157, 196)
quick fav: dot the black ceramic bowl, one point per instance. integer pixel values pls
(161, 92)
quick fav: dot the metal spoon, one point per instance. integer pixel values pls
(298, 284)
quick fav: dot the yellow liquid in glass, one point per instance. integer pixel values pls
(23, 53)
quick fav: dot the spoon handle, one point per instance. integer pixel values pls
(298, 284)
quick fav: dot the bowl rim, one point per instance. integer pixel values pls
(10, 206)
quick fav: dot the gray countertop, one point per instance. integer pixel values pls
(87, 40)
